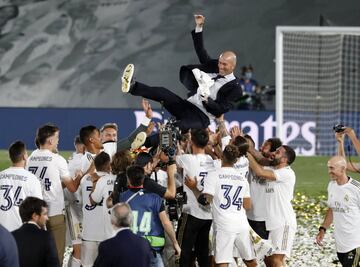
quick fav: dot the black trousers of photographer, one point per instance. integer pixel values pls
(188, 115)
(193, 233)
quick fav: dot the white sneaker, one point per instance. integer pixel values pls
(126, 79)
(139, 140)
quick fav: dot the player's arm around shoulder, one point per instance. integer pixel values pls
(259, 170)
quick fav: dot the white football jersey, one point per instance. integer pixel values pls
(86, 161)
(75, 163)
(344, 200)
(228, 188)
(199, 166)
(92, 214)
(257, 192)
(160, 177)
(278, 196)
(16, 184)
(103, 188)
(110, 147)
(51, 169)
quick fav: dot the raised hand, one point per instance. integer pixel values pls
(199, 20)
(147, 108)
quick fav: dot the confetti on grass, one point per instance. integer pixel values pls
(310, 213)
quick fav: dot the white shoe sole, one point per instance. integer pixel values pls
(139, 140)
(126, 78)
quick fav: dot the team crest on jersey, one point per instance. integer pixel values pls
(346, 197)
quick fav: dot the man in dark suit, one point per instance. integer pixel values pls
(36, 246)
(212, 86)
(8, 249)
(126, 248)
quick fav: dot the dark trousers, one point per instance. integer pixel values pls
(188, 115)
(350, 259)
(259, 228)
(193, 233)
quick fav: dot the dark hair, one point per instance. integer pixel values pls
(248, 137)
(86, 132)
(30, 206)
(275, 143)
(120, 161)
(242, 145)
(142, 159)
(246, 68)
(135, 175)
(77, 140)
(290, 154)
(230, 154)
(44, 132)
(101, 160)
(17, 151)
(200, 137)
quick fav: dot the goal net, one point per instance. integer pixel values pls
(317, 85)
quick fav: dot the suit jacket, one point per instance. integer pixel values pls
(124, 249)
(228, 93)
(8, 249)
(36, 247)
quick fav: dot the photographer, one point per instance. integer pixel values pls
(151, 221)
(144, 160)
(195, 222)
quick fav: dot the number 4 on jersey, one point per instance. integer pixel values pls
(231, 199)
(47, 182)
(145, 223)
(16, 201)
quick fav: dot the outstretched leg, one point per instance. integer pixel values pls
(188, 115)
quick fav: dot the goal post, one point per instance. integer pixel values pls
(317, 85)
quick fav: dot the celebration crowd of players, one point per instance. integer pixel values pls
(238, 200)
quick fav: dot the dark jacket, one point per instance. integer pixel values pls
(36, 247)
(229, 92)
(124, 249)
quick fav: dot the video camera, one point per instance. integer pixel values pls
(169, 134)
(176, 204)
(339, 128)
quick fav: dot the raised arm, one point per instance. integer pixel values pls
(125, 143)
(198, 39)
(259, 170)
(351, 134)
(341, 150)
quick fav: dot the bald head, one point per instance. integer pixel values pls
(121, 215)
(230, 56)
(337, 161)
(227, 63)
(337, 169)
